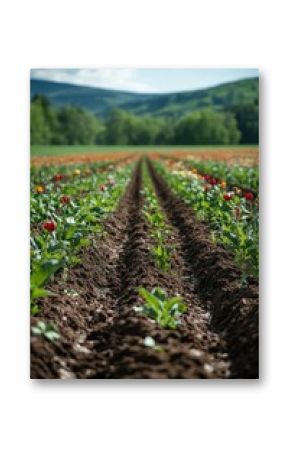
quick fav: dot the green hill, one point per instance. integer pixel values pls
(101, 101)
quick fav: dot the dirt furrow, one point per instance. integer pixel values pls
(83, 304)
(102, 334)
(190, 351)
(233, 307)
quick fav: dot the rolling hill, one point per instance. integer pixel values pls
(101, 101)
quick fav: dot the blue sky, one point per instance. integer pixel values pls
(145, 80)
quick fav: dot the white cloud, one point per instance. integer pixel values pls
(123, 79)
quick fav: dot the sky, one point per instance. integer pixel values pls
(145, 80)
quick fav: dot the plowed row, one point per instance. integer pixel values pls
(101, 334)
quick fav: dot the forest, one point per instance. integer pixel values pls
(74, 125)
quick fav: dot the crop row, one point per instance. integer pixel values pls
(155, 217)
(68, 205)
(231, 215)
(67, 208)
(235, 175)
(246, 178)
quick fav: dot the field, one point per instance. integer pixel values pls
(145, 264)
(57, 150)
(52, 155)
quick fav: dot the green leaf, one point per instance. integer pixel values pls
(36, 331)
(34, 308)
(51, 335)
(38, 292)
(175, 301)
(164, 311)
(149, 298)
(47, 331)
(159, 293)
(41, 325)
(70, 220)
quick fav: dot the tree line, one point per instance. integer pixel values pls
(72, 125)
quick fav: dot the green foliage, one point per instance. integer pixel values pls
(246, 177)
(78, 126)
(42, 270)
(43, 121)
(75, 221)
(247, 116)
(207, 127)
(123, 128)
(162, 255)
(170, 105)
(234, 223)
(71, 126)
(65, 126)
(165, 311)
(158, 228)
(45, 330)
(223, 115)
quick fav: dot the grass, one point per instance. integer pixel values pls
(58, 150)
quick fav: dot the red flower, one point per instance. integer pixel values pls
(228, 196)
(65, 199)
(58, 177)
(102, 187)
(49, 226)
(249, 196)
(212, 181)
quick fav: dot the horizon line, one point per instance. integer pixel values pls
(145, 93)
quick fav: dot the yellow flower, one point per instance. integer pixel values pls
(194, 170)
(39, 189)
(223, 184)
(77, 172)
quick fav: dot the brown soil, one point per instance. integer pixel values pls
(233, 307)
(103, 337)
(81, 158)
(245, 156)
(242, 156)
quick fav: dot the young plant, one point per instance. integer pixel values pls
(159, 231)
(47, 331)
(165, 311)
(162, 256)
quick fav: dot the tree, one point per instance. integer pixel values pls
(124, 128)
(72, 125)
(234, 134)
(247, 116)
(77, 126)
(43, 122)
(206, 127)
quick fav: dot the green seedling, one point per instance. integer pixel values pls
(158, 228)
(162, 256)
(44, 330)
(165, 311)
